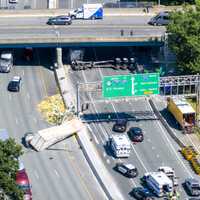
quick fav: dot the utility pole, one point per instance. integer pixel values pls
(158, 2)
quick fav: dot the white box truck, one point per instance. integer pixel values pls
(120, 145)
(88, 11)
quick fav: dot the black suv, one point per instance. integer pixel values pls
(59, 20)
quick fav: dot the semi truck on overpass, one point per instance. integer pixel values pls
(117, 63)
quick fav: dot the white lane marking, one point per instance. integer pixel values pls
(143, 165)
(16, 121)
(171, 145)
(28, 95)
(22, 72)
(57, 174)
(36, 174)
(148, 140)
(9, 97)
(157, 156)
(94, 125)
(95, 138)
(104, 154)
(153, 147)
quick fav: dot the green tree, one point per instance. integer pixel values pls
(184, 37)
(9, 154)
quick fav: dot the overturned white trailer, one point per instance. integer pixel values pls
(49, 136)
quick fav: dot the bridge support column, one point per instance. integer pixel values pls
(59, 57)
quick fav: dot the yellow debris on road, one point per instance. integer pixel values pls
(52, 109)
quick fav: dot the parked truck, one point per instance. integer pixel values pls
(182, 112)
(88, 11)
(49, 136)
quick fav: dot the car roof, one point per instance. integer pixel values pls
(129, 166)
(136, 129)
(121, 121)
(16, 78)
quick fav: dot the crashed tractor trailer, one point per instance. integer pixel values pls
(183, 112)
(49, 136)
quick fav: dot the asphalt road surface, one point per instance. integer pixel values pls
(56, 173)
(157, 149)
(29, 27)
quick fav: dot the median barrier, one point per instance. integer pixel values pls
(105, 180)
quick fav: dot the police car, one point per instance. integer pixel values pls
(127, 170)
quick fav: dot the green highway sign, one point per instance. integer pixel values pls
(117, 86)
(146, 84)
(130, 85)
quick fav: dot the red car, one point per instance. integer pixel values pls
(135, 134)
(22, 181)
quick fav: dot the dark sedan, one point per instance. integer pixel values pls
(14, 85)
(142, 193)
(120, 126)
(135, 134)
(59, 20)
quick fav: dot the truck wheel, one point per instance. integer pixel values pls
(73, 17)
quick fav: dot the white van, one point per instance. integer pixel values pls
(120, 145)
(159, 183)
(160, 19)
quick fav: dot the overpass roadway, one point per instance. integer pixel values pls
(33, 31)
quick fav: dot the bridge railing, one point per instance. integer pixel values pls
(129, 4)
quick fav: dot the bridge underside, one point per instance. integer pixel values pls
(75, 42)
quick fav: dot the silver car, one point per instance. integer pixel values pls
(161, 19)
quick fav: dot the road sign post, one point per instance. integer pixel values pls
(130, 85)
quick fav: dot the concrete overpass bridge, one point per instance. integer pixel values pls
(22, 29)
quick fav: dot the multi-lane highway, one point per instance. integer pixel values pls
(55, 173)
(157, 149)
(36, 27)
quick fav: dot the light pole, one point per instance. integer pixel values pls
(158, 2)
